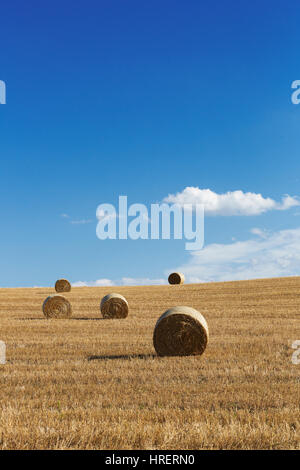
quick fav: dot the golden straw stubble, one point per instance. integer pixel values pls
(57, 306)
(62, 285)
(176, 278)
(114, 306)
(180, 331)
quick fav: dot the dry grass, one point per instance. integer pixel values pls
(91, 383)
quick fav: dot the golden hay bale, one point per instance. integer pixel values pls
(114, 306)
(62, 285)
(180, 331)
(176, 278)
(57, 306)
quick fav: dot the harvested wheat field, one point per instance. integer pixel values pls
(93, 383)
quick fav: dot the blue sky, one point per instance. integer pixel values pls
(145, 99)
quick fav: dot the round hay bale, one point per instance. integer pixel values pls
(57, 306)
(180, 331)
(62, 285)
(176, 278)
(114, 306)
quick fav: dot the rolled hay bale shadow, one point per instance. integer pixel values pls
(176, 278)
(57, 306)
(62, 285)
(114, 306)
(180, 331)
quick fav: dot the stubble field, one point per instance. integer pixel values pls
(89, 383)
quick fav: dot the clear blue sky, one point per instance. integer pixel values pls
(106, 98)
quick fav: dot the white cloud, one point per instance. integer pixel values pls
(259, 232)
(124, 281)
(75, 221)
(288, 202)
(271, 255)
(97, 283)
(143, 281)
(230, 203)
(81, 222)
(104, 282)
(79, 284)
